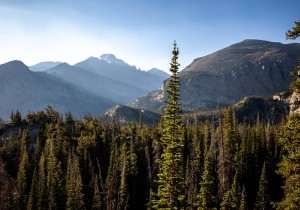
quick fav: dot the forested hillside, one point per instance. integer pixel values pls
(51, 163)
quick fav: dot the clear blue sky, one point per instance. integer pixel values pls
(140, 32)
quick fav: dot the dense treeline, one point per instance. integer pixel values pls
(50, 162)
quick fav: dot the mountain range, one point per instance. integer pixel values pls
(72, 88)
(248, 68)
(24, 90)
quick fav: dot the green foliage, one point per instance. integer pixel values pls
(289, 167)
(263, 196)
(87, 163)
(74, 184)
(171, 178)
(15, 119)
(207, 197)
(32, 200)
(97, 201)
(295, 85)
(23, 172)
(231, 198)
(243, 201)
(295, 32)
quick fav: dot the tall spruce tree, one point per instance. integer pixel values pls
(97, 202)
(289, 166)
(171, 178)
(23, 171)
(74, 184)
(263, 196)
(207, 198)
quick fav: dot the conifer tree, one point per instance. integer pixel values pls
(232, 197)
(42, 184)
(123, 189)
(74, 184)
(55, 178)
(97, 203)
(23, 171)
(243, 201)
(263, 196)
(289, 166)
(207, 198)
(171, 179)
(32, 199)
(227, 147)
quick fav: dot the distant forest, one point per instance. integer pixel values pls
(52, 162)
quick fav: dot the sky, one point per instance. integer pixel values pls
(140, 32)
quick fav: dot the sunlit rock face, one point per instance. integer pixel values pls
(248, 68)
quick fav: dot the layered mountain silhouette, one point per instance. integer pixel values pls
(73, 89)
(43, 66)
(24, 90)
(103, 86)
(106, 76)
(248, 68)
(115, 69)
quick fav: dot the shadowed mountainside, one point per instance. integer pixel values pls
(248, 68)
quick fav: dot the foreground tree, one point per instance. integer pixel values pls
(289, 166)
(207, 199)
(171, 179)
(263, 196)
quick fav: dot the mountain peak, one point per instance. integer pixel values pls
(15, 65)
(158, 72)
(42, 66)
(111, 59)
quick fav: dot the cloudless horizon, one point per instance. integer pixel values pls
(139, 32)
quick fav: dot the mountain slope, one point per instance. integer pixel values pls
(99, 85)
(158, 72)
(26, 91)
(125, 114)
(43, 66)
(248, 68)
(109, 66)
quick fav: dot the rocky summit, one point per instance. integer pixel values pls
(248, 68)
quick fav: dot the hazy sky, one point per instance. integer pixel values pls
(140, 32)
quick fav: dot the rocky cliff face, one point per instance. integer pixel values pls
(294, 103)
(248, 68)
(125, 114)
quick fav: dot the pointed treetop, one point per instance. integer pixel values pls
(176, 49)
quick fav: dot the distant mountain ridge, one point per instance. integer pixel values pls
(102, 86)
(106, 76)
(248, 68)
(24, 90)
(116, 69)
(44, 66)
(72, 88)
